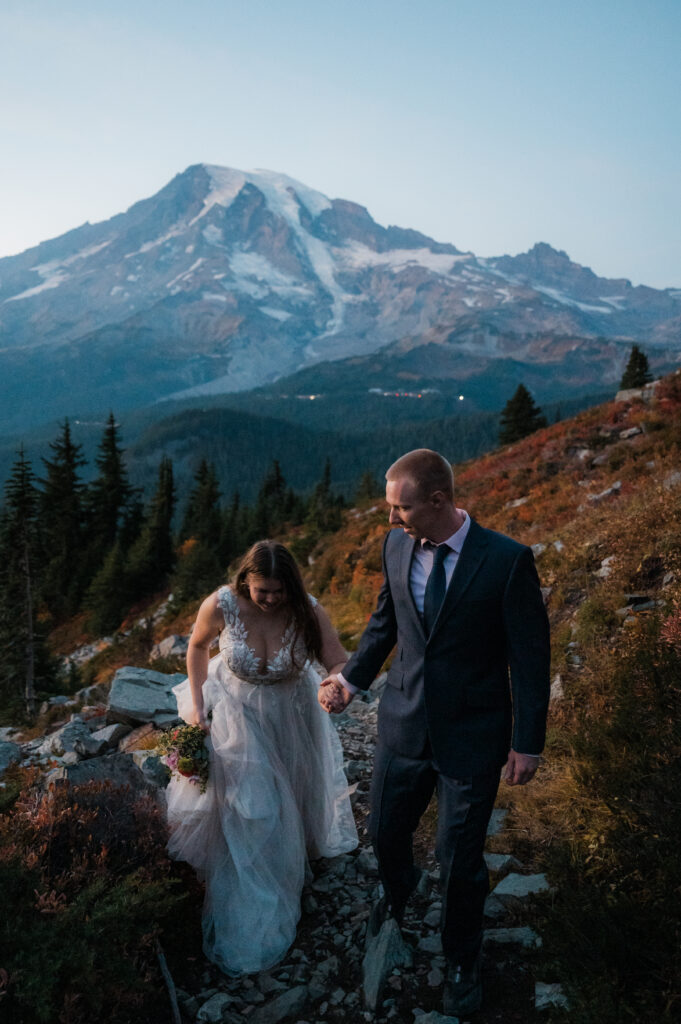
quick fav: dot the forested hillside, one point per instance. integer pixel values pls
(599, 499)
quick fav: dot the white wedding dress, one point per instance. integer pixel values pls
(276, 797)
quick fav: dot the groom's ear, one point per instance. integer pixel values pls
(438, 499)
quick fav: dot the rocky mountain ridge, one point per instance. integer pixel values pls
(226, 280)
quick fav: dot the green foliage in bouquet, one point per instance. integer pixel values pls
(87, 891)
(184, 751)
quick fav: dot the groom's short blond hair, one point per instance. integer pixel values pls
(428, 471)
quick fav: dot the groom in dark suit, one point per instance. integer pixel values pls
(467, 692)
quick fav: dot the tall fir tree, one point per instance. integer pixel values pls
(202, 517)
(637, 371)
(324, 509)
(152, 556)
(110, 494)
(109, 595)
(200, 565)
(25, 661)
(61, 513)
(520, 417)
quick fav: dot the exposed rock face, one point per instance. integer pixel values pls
(140, 695)
(10, 753)
(119, 769)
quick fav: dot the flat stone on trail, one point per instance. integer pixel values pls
(517, 887)
(384, 953)
(212, 1011)
(435, 1018)
(524, 937)
(430, 944)
(288, 1004)
(141, 695)
(496, 821)
(501, 861)
(546, 996)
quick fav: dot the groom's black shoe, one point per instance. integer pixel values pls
(463, 990)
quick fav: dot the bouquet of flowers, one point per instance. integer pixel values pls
(184, 751)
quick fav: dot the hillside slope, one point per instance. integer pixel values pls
(599, 499)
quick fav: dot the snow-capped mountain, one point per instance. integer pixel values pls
(225, 280)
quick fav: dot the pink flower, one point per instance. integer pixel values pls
(172, 759)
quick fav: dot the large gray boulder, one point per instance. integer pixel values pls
(10, 753)
(141, 695)
(173, 646)
(74, 737)
(119, 769)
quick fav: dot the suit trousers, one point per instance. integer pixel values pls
(401, 790)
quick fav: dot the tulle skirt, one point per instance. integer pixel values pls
(277, 796)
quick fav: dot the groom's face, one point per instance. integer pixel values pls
(408, 509)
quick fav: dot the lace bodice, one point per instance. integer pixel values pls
(242, 660)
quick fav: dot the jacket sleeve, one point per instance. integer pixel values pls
(378, 639)
(529, 654)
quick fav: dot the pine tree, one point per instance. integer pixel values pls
(272, 503)
(324, 510)
(24, 658)
(110, 493)
(367, 487)
(109, 596)
(61, 513)
(520, 417)
(637, 372)
(202, 517)
(200, 565)
(151, 557)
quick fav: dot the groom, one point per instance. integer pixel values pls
(467, 692)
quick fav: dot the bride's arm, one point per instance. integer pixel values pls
(209, 622)
(333, 655)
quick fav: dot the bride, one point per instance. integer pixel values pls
(277, 795)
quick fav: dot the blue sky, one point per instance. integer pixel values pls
(492, 124)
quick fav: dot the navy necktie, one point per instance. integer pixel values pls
(436, 586)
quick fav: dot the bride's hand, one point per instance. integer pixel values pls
(198, 718)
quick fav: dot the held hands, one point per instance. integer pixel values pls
(520, 768)
(333, 696)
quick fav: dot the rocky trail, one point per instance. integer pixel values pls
(327, 976)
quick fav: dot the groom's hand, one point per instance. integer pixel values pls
(520, 768)
(333, 696)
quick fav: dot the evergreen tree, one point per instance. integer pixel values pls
(61, 514)
(520, 417)
(324, 510)
(202, 517)
(367, 487)
(272, 504)
(110, 495)
(109, 596)
(152, 555)
(24, 660)
(637, 372)
(200, 566)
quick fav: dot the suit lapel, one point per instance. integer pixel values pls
(470, 559)
(406, 555)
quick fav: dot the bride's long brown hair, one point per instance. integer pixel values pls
(271, 560)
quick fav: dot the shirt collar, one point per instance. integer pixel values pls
(455, 542)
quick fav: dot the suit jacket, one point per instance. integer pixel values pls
(479, 684)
